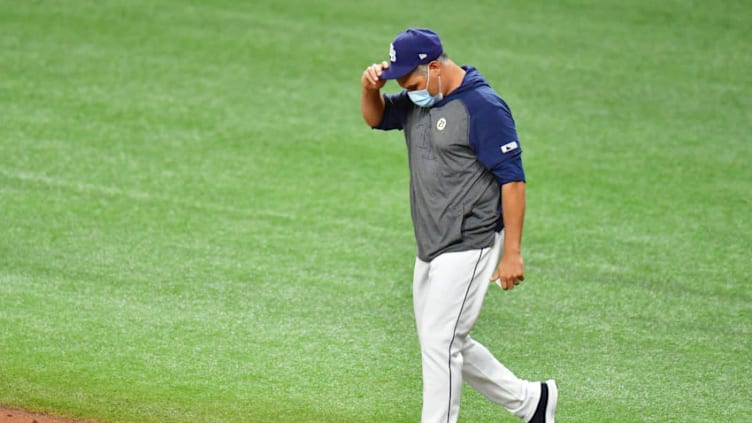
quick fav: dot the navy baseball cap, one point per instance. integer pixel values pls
(412, 47)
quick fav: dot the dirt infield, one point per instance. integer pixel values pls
(13, 415)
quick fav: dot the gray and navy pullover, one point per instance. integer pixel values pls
(460, 151)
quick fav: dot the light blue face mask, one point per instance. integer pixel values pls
(422, 98)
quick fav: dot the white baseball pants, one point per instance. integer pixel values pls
(448, 294)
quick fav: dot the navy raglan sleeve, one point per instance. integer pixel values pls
(395, 112)
(494, 139)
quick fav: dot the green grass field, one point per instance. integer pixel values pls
(197, 226)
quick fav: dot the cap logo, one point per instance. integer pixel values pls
(392, 53)
(422, 56)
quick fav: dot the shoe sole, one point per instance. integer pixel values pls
(553, 399)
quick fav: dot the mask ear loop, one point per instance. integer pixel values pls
(429, 82)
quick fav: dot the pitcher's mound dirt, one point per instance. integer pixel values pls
(13, 415)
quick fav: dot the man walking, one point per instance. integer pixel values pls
(467, 198)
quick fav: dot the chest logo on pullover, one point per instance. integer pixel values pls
(441, 124)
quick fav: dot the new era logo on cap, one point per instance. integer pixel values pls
(412, 47)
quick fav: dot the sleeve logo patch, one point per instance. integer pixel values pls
(506, 148)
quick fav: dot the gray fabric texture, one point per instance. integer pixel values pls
(454, 199)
